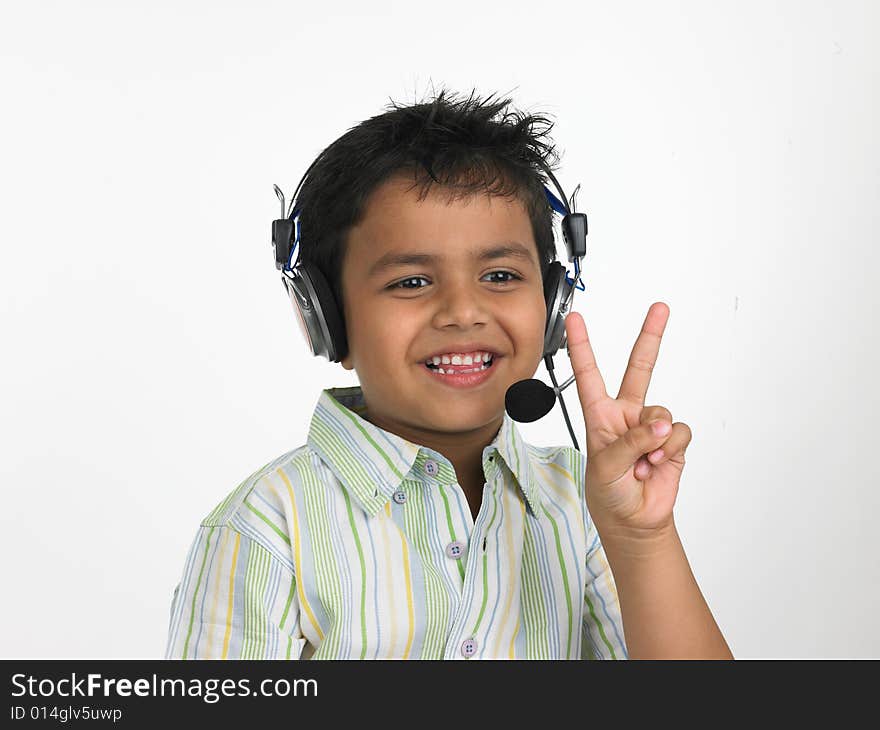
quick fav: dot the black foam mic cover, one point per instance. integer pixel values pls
(529, 400)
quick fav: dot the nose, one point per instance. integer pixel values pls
(461, 303)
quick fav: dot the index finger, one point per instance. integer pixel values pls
(590, 386)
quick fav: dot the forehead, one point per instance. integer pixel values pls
(395, 221)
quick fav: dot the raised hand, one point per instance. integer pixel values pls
(635, 453)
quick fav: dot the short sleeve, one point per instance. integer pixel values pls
(602, 623)
(235, 600)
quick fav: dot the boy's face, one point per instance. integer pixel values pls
(398, 316)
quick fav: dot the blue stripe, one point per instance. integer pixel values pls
(205, 588)
(497, 541)
(367, 522)
(546, 578)
(612, 622)
(321, 501)
(572, 557)
(267, 505)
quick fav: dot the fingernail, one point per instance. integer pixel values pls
(661, 428)
(655, 456)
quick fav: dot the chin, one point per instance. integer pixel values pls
(465, 419)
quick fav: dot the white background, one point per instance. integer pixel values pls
(729, 164)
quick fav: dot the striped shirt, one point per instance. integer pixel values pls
(361, 545)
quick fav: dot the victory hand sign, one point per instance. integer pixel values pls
(635, 453)
(631, 481)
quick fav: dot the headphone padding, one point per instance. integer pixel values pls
(553, 279)
(338, 345)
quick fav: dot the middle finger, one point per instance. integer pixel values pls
(634, 386)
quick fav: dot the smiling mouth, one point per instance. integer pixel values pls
(461, 369)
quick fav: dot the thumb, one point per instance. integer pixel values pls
(615, 459)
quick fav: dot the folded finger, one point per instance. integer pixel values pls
(614, 460)
(676, 443)
(652, 413)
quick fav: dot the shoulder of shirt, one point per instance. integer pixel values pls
(575, 463)
(225, 512)
(567, 458)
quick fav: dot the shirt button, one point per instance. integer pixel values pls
(431, 467)
(399, 496)
(455, 549)
(468, 648)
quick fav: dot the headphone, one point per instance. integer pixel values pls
(317, 311)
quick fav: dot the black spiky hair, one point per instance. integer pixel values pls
(467, 146)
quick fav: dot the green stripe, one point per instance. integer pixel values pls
(436, 615)
(357, 541)
(277, 530)
(255, 638)
(192, 614)
(350, 457)
(599, 624)
(564, 577)
(289, 599)
(351, 417)
(537, 646)
(578, 469)
(326, 569)
(214, 518)
(351, 469)
(451, 528)
(485, 561)
(217, 515)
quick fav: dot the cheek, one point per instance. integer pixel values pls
(380, 334)
(525, 325)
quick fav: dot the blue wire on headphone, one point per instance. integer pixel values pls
(293, 219)
(560, 208)
(555, 202)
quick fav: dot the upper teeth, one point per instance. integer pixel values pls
(461, 358)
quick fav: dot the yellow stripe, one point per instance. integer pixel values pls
(567, 494)
(297, 556)
(506, 497)
(513, 638)
(409, 596)
(386, 546)
(610, 589)
(231, 588)
(212, 623)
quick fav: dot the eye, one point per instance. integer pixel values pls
(400, 284)
(403, 283)
(513, 277)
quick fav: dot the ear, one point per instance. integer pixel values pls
(347, 362)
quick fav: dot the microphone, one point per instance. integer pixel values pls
(529, 400)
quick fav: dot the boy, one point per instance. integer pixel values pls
(416, 522)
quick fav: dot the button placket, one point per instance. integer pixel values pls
(465, 613)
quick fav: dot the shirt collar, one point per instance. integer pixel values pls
(371, 462)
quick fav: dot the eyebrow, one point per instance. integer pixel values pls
(390, 260)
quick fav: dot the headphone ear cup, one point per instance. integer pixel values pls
(317, 312)
(335, 324)
(555, 293)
